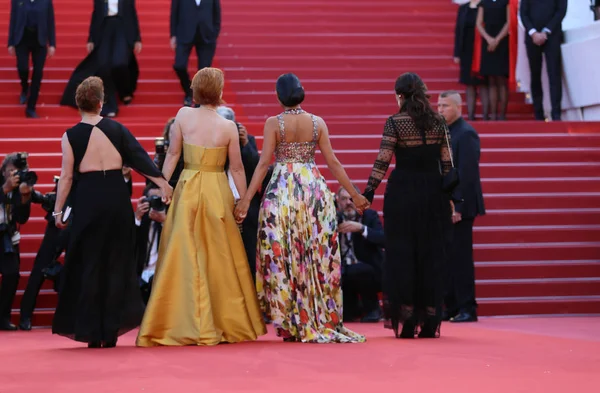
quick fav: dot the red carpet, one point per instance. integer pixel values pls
(538, 249)
(532, 355)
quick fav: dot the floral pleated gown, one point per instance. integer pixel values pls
(298, 260)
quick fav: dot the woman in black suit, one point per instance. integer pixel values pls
(464, 41)
(113, 42)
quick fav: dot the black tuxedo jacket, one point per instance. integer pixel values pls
(369, 250)
(45, 23)
(187, 18)
(127, 12)
(466, 152)
(141, 242)
(540, 14)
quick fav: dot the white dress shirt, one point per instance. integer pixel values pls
(198, 2)
(113, 7)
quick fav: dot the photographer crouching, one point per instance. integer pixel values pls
(15, 207)
(150, 215)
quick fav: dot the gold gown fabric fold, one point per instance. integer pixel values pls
(203, 292)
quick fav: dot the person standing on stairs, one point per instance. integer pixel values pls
(31, 31)
(543, 23)
(460, 284)
(464, 43)
(196, 24)
(113, 42)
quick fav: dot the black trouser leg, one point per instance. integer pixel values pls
(534, 54)
(462, 266)
(182, 57)
(9, 268)
(44, 257)
(205, 53)
(38, 57)
(360, 279)
(554, 65)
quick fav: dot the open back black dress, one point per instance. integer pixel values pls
(99, 297)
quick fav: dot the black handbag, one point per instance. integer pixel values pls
(450, 180)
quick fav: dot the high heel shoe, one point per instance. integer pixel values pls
(109, 343)
(94, 344)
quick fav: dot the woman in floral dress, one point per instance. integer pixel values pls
(298, 263)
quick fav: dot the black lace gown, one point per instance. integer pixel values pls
(417, 214)
(99, 298)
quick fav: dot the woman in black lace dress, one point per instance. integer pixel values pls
(416, 211)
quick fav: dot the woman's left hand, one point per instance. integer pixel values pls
(241, 210)
(58, 221)
(493, 45)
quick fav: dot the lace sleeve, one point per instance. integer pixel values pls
(446, 150)
(382, 163)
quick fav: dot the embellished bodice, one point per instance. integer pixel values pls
(295, 152)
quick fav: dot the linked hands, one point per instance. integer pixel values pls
(241, 210)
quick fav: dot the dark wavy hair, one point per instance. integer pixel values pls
(289, 90)
(416, 101)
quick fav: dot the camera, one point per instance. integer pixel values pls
(155, 202)
(160, 148)
(48, 200)
(25, 175)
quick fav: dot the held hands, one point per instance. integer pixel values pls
(166, 192)
(492, 44)
(241, 210)
(360, 202)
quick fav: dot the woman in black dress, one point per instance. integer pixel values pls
(417, 212)
(464, 41)
(493, 24)
(100, 298)
(113, 42)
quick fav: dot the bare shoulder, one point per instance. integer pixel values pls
(183, 112)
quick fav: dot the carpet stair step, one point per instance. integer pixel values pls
(537, 269)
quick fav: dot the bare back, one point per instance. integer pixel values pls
(297, 129)
(203, 127)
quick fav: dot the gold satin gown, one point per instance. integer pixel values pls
(202, 292)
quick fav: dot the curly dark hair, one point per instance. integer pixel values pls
(416, 101)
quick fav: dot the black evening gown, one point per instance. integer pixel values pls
(417, 215)
(99, 298)
(464, 42)
(494, 63)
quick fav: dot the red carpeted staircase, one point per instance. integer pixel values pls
(537, 250)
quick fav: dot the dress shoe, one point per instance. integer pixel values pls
(25, 324)
(31, 114)
(464, 317)
(7, 326)
(23, 97)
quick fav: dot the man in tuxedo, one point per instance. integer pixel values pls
(542, 20)
(194, 23)
(460, 288)
(31, 31)
(250, 158)
(361, 242)
(149, 224)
